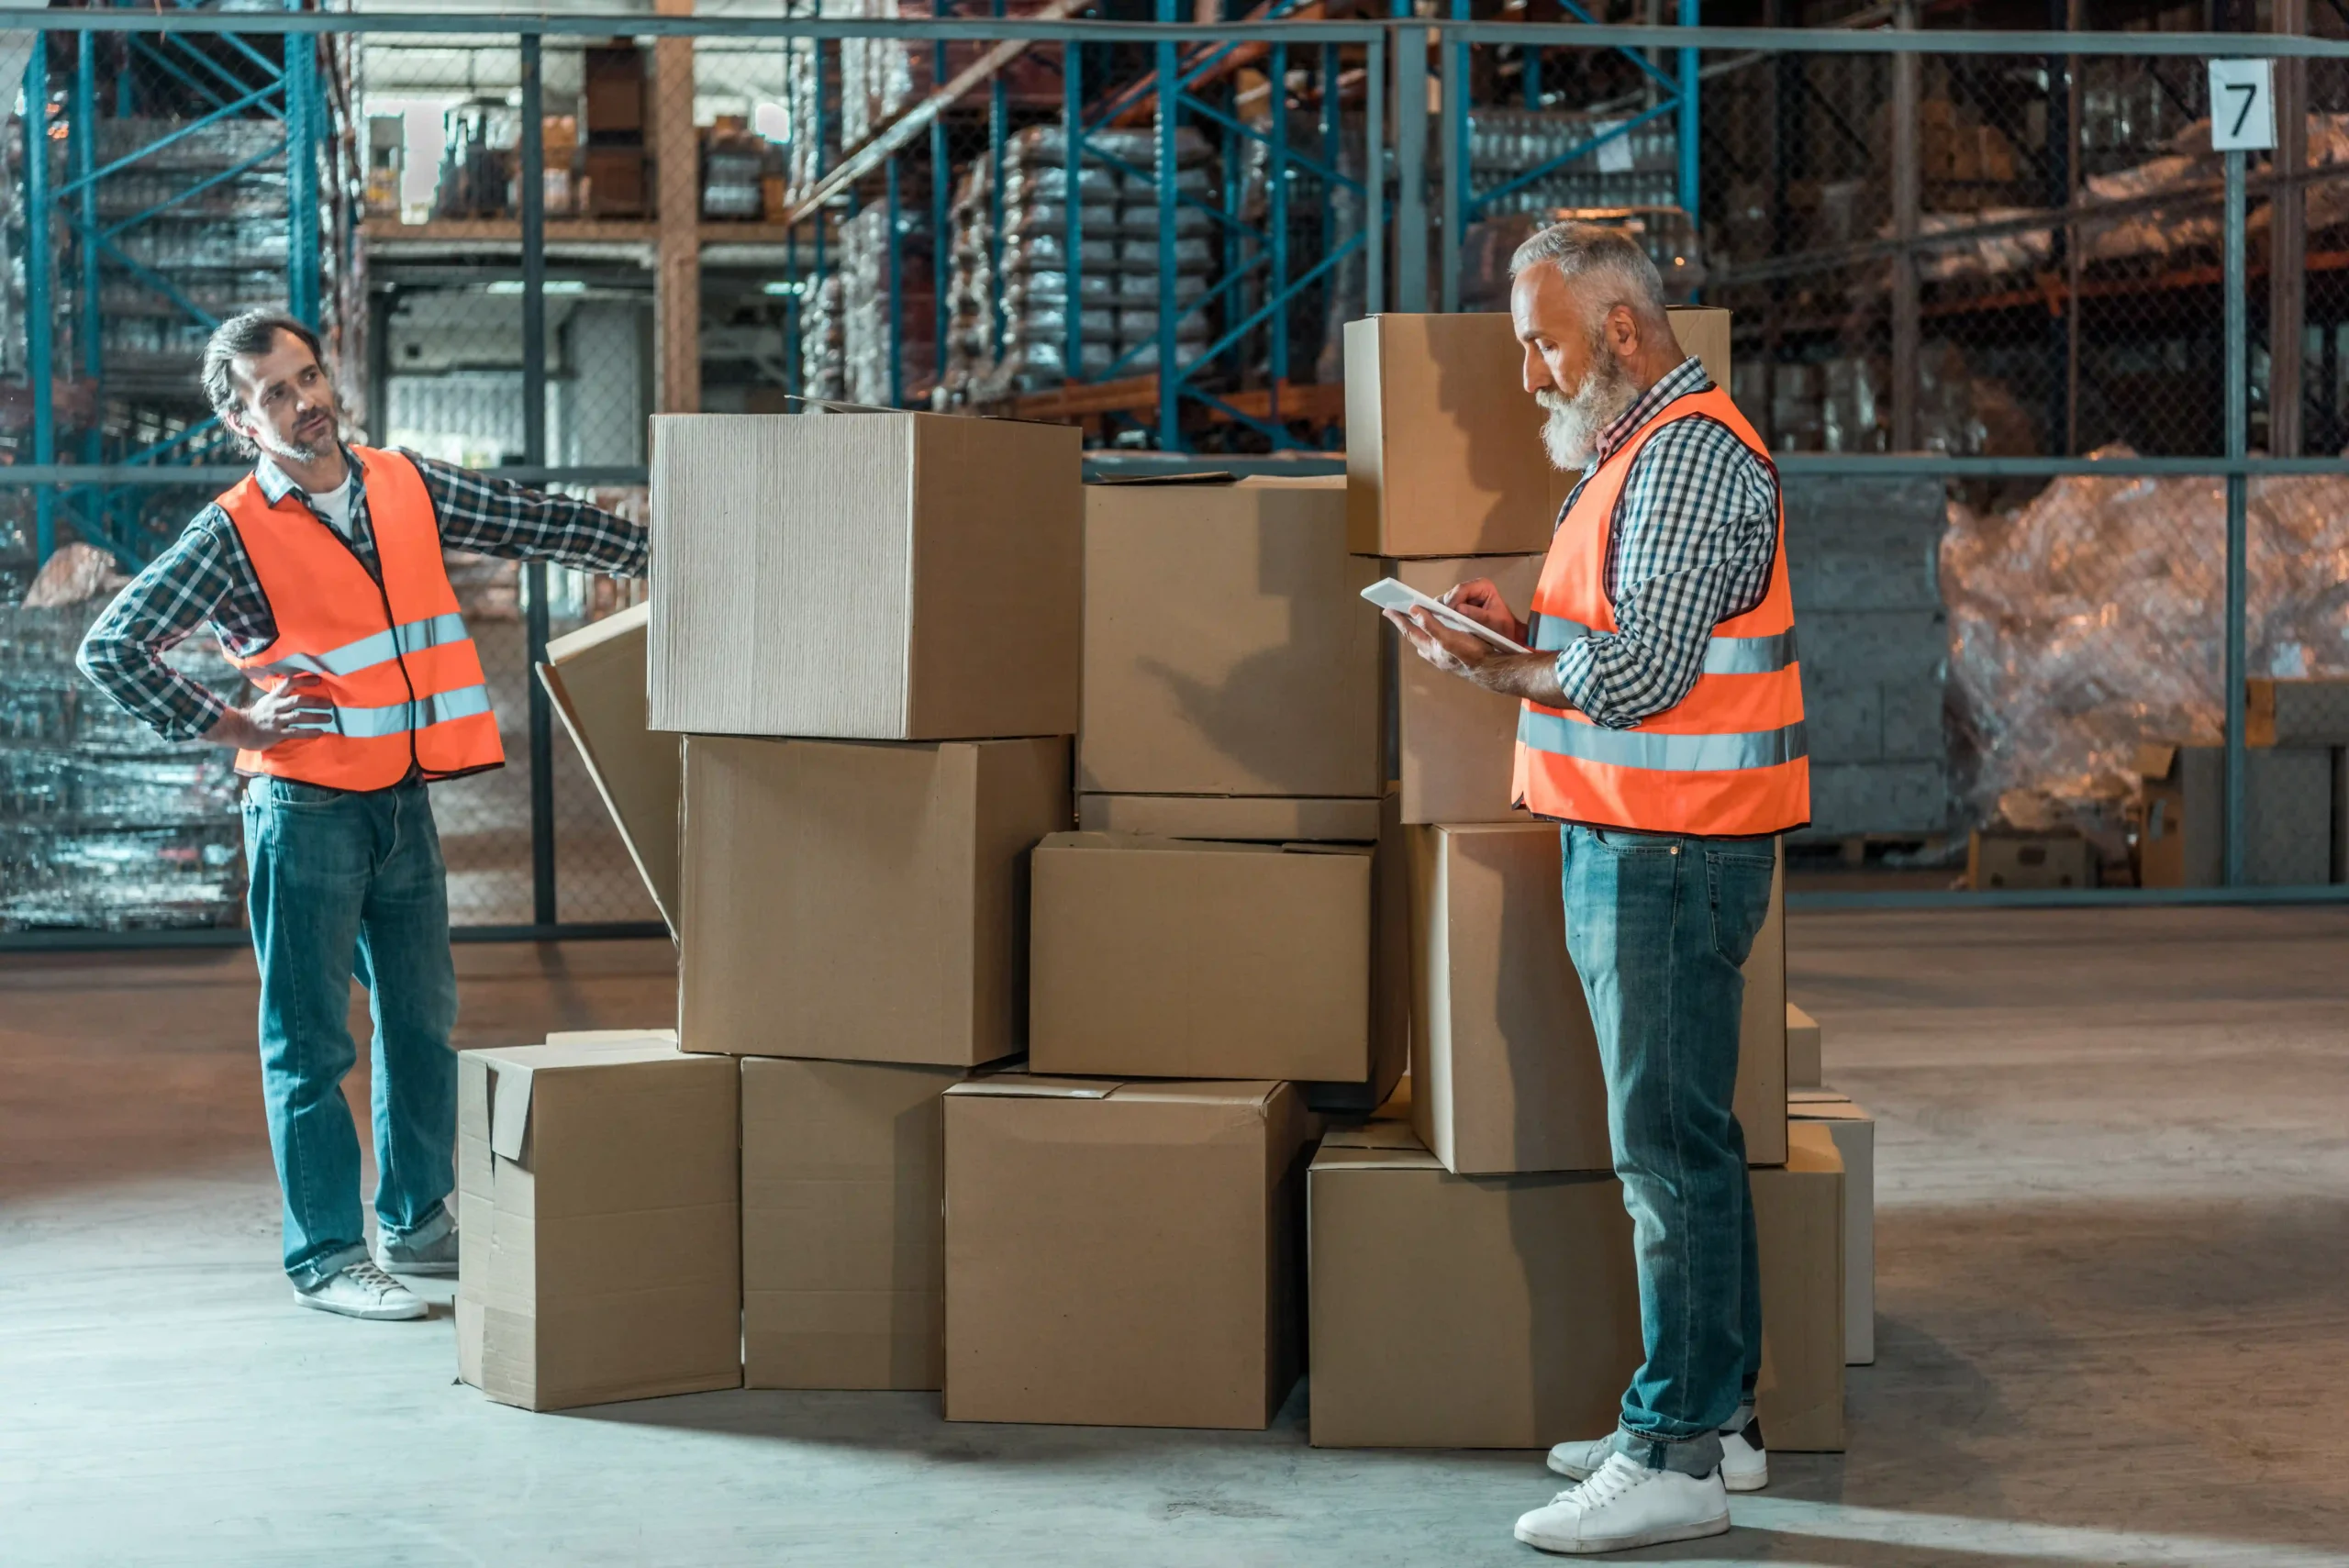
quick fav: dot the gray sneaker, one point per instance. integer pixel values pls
(415, 1255)
(362, 1290)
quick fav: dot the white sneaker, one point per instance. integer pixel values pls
(1624, 1504)
(1745, 1464)
(362, 1290)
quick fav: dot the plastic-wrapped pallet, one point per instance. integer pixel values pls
(870, 304)
(1197, 252)
(823, 364)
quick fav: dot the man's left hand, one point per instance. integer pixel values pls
(1533, 677)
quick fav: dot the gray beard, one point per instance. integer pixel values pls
(295, 452)
(1574, 425)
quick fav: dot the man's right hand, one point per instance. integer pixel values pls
(1480, 600)
(294, 708)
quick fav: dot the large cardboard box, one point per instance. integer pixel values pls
(1504, 1072)
(1185, 958)
(595, 677)
(1853, 1131)
(1260, 818)
(598, 1223)
(1462, 1311)
(863, 903)
(1122, 1254)
(866, 576)
(2288, 816)
(843, 1228)
(1454, 1311)
(1798, 1218)
(1456, 742)
(1443, 443)
(1227, 648)
(2311, 711)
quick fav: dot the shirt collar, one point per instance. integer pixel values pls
(1684, 378)
(276, 484)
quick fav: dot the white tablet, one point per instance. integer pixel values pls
(1389, 595)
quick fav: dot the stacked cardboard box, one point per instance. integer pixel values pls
(2296, 784)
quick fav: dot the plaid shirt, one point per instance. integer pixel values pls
(205, 575)
(1700, 526)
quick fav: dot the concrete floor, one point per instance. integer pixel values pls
(2113, 1299)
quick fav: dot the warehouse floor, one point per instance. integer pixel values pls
(2113, 1306)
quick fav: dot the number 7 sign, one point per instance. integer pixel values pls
(2242, 105)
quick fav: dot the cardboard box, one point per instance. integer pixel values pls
(2032, 860)
(1803, 1042)
(866, 576)
(1122, 1254)
(1227, 648)
(1465, 472)
(598, 1223)
(1183, 958)
(1798, 1217)
(1505, 1074)
(862, 902)
(1456, 742)
(1853, 1131)
(614, 177)
(1454, 1311)
(843, 1228)
(1263, 818)
(2288, 816)
(2308, 712)
(1462, 1311)
(595, 677)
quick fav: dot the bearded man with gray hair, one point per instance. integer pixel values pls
(1661, 728)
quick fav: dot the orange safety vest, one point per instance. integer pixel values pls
(392, 657)
(1729, 759)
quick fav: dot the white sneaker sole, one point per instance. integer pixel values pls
(390, 1312)
(1656, 1537)
(1755, 1482)
(418, 1270)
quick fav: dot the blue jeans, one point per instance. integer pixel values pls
(1659, 927)
(349, 885)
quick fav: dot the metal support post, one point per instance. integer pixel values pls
(998, 111)
(1689, 191)
(1451, 154)
(1410, 164)
(302, 177)
(816, 127)
(2288, 245)
(942, 244)
(1332, 127)
(1072, 167)
(1531, 63)
(1373, 177)
(2238, 445)
(534, 453)
(1276, 216)
(39, 305)
(1170, 413)
(1906, 201)
(894, 252)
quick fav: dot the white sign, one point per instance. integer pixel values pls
(2242, 105)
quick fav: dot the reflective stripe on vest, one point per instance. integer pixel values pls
(399, 717)
(385, 651)
(1551, 732)
(1723, 655)
(376, 648)
(1729, 758)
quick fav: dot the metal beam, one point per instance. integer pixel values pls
(2238, 576)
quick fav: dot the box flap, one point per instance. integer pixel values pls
(1133, 841)
(595, 679)
(1811, 1148)
(1799, 1019)
(1374, 1146)
(2155, 759)
(510, 1108)
(1025, 1086)
(632, 620)
(1212, 476)
(1837, 1110)
(1818, 1096)
(661, 1036)
(1221, 1092)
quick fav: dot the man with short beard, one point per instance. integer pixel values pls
(1661, 727)
(321, 574)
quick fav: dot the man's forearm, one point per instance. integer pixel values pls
(1531, 676)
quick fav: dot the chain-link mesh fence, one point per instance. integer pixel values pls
(1984, 262)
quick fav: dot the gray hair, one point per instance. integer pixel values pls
(1605, 266)
(248, 333)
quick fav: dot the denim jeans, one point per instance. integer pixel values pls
(349, 885)
(1659, 927)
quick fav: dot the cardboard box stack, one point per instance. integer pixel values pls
(931, 757)
(2296, 786)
